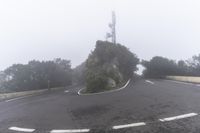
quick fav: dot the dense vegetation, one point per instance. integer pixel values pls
(37, 75)
(108, 66)
(159, 67)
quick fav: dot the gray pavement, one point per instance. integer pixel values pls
(142, 100)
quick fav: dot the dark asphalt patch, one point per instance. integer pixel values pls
(90, 111)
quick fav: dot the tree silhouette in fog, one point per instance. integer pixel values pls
(38, 75)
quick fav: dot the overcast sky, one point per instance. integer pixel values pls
(46, 29)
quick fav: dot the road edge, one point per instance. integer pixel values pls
(21, 94)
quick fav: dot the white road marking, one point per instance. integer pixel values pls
(22, 129)
(129, 125)
(148, 81)
(186, 83)
(181, 82)
(66, 91)
(71, 131)
(17, 98)
(125, 85)
(178, 117)
(79, 92)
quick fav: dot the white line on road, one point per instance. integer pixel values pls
(17, 98)
(181, 82)
(66, 91)
(186, 83)
(22, 129)
(129, 125)
(124, 85)
(148, 81)
(79, 92)
(178, 117)
(71, 131)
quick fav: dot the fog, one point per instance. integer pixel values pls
(47, 29)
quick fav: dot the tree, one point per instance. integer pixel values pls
(109, 62)
(194, 65)
(2, 80)
(159, 67)
(38, 75)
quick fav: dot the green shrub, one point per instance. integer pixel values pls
(96, 82)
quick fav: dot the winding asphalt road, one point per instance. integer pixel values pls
(144, 106)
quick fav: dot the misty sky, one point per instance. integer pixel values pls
(46, 29)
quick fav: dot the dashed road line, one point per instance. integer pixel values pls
(129, 125)
(71, 131)
(19, 129)
(113, 127)
(178, 117)
(148, 81)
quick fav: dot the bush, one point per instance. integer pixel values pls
(96, 82)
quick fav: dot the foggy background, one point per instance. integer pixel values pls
(46, 29)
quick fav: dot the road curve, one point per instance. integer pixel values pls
(144, 106)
